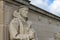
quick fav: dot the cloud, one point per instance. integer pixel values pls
(55, 7)
(40, 3)
(52, 6)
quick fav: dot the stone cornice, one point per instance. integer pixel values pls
(17, 2)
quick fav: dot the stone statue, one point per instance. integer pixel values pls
(20, 27)
(57, 36)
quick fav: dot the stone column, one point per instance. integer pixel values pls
(1, 20)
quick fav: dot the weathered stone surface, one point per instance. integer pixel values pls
(19, 27)
(44, 26)
(1, 20)
(1, 12)
(57, 36)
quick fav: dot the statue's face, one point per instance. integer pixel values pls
(24, 11)
(16, 14)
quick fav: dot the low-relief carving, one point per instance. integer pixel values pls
(57, 36)
(20, 27)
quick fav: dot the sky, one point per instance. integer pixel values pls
(52, 6)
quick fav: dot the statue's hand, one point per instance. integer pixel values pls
(24, 36)
(20, 36)
(17, 36)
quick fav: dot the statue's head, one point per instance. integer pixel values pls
(23, 10)
(16, 13)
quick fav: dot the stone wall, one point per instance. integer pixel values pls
(8, 12)
(1, 20)
(44, 26)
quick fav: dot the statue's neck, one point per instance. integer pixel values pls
(22, 18)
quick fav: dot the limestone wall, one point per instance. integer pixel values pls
(8, 11)
(44, 26)
(1, 20)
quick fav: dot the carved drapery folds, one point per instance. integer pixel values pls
(20, 27)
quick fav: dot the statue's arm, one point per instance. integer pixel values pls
(31, 31)
(12, 31)
(31, 34)
(12, 28)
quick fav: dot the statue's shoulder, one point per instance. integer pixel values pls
(14, 20)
